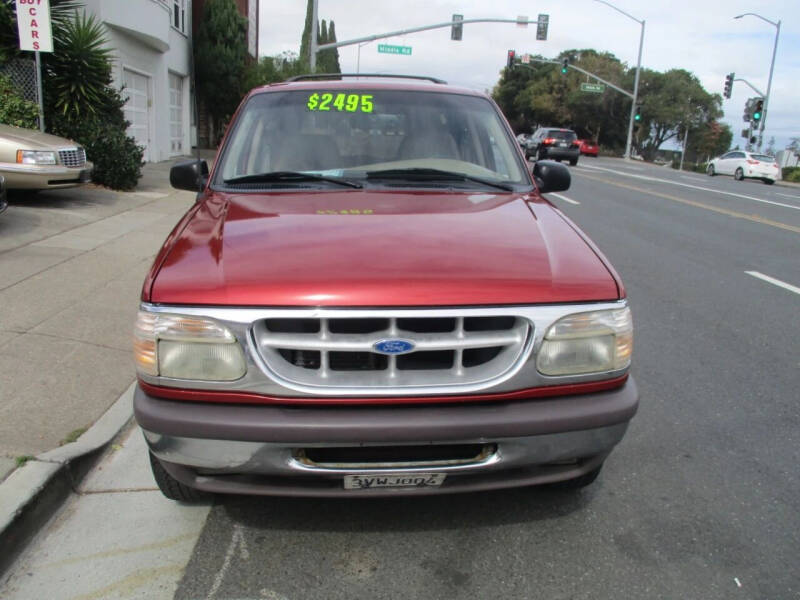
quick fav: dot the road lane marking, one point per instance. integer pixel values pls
(696, 187)
(564, 198)
(716, 209)
(773, 281)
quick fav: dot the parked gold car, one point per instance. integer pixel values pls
(32, 160)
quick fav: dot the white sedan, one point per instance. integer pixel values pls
(743, 164)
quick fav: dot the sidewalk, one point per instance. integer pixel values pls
(72, 264)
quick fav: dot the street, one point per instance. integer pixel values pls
(700, 500)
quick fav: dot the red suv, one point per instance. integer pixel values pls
(371, 296)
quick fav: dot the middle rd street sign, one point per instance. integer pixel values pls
(595, 88)
(392, 49)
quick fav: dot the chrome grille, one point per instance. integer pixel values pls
(339, 352)
(72, 157)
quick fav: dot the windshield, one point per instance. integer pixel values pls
(351, 134)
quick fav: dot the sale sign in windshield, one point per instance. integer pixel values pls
(33, 23)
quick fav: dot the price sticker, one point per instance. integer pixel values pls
(340, 102)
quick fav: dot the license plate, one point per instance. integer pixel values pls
(393, 480)
(563, 144)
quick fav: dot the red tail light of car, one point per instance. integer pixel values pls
(547, 141)
(752, 162)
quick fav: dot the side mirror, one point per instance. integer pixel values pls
(551, 176)
(190, 175)
(3, 199)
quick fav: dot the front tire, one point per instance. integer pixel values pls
(573, 162)
(710, 171)
(768, 181)
(171, 487)
(738, 175)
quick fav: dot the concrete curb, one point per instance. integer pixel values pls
(31, 494)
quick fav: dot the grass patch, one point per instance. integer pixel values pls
(73, 436)
(21, 460)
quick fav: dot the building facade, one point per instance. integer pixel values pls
(151, 42)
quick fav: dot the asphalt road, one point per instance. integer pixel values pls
(701, 499)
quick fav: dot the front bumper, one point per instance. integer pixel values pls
(259, 449)
(33, 177)
(572, 153)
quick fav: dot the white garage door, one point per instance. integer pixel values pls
(175, 114)
(137, 107)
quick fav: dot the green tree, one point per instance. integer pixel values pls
(709, 140)
(671, 102)
(305, 38)
(220, 54)
(334, 52)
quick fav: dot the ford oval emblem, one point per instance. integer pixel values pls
(394, 346)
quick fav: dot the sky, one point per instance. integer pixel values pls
(700, 36)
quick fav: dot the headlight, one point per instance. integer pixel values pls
(36, 157)
(184, 347)
(591, 342)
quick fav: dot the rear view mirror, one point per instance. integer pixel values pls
(190, 175)
(551, 176)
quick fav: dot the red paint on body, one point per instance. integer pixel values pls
(377, 248)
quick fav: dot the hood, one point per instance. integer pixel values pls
(31, 139)
(377, 248)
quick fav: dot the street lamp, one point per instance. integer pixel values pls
(636, 79)
(777, 27)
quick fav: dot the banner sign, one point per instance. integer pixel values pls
(33, 22)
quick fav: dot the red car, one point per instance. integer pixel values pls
(589, 147)
(345, 312)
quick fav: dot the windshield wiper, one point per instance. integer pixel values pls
(289, 177)
(420, 174)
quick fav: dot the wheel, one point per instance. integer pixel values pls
(573, 161)
(578, 482)
(738, 175)
(710, 171)
(768, 181)
(171, 487)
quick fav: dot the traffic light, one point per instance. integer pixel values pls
(637, 116)
(564, 66)
(758, 110)
(510, 62)
(457, 28)
(728, 85)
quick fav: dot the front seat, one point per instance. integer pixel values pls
(429, 144)
(307, 152)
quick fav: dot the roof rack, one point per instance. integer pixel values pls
(342, 75)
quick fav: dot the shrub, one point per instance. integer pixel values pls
(791, 174)
(15, 110)
(81, 104)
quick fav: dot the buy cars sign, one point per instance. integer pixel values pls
(33, 22)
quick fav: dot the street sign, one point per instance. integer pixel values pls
(525, 59)
(541, 27)
(33, 24)
(595, 88)
(392, 49)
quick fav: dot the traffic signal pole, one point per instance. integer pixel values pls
(369, 38)
(635, 93)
